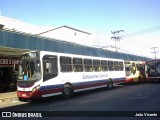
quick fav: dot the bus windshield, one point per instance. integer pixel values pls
(29, 69)
(128, 70)
(153, 68)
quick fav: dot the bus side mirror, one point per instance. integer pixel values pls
(15, 66)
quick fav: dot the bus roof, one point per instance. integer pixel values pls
(154, 60)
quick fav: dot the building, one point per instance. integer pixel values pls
(64, 33)
(17, 37)
(69, 34)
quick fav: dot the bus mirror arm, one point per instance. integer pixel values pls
(14, 66)
(29, 73)
(15, 69)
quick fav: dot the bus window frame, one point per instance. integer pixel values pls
(66, 64)
(52, 62)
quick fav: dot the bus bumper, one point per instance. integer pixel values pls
(129, 80)
(28, 95)
(154, 79)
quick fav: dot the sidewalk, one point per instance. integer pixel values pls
(8, 97)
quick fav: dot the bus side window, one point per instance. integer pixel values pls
(133, 68)
(96, 65)
(50, 69)
(116, 66)
(121, 66)
(88, 65)
(104, 65)
(66, 64)
(110, 66)
(77, 64)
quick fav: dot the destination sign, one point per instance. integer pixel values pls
(29, 55)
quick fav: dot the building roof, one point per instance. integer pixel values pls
(65, 27)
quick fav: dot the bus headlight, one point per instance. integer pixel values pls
(35, 88)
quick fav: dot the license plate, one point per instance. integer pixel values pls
(23, 95)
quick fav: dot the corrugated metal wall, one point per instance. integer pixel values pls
(32, 42)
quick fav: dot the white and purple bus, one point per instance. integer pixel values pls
(45, 74)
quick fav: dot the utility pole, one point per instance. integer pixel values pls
(154, 51)
(116, 38)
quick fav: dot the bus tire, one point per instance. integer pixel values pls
(139, 79)
(109, 84)
(67, 91)
(20, 99)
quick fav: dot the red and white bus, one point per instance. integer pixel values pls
(45, 74)
(135, 71)
(153, 70)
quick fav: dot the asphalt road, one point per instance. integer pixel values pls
(137, 97)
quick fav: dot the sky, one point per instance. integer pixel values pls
(98, 17)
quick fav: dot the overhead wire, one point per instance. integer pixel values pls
(131, 35)
(145, 31)
(142, 32)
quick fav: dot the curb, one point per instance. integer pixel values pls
(8, 100)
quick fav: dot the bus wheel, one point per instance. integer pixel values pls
(139, 79)
(20, 99)
(67, 91)
(109, 84)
